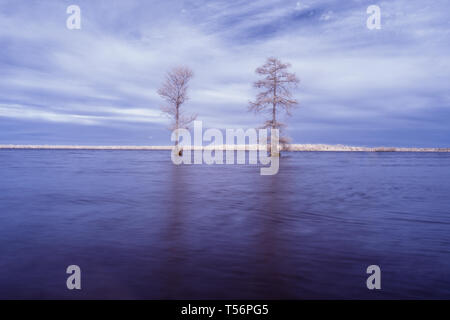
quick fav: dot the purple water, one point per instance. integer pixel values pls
(140, 227)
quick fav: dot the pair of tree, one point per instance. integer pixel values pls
(274, 97)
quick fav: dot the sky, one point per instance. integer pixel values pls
(98, 85)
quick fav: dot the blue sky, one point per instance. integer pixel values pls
(97, 85)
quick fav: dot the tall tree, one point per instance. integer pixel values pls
(174, 92)
(275, 94)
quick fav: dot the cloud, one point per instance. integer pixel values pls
(81, 114)
(108, 72)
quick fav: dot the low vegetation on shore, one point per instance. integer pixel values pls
(291, 147)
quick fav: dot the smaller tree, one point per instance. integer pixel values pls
(174, 92)
(275, 94)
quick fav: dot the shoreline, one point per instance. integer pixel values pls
(292, 148)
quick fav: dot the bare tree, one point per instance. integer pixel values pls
(275, 93)
(174, 92)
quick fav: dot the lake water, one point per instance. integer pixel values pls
(140, 227)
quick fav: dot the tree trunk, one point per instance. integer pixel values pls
(274, 115)
(177, 117)
(177, 125)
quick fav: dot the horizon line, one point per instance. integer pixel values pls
(235, 147)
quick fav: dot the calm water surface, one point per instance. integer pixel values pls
(140, 227)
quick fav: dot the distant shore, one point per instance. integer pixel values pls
(292, 147)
